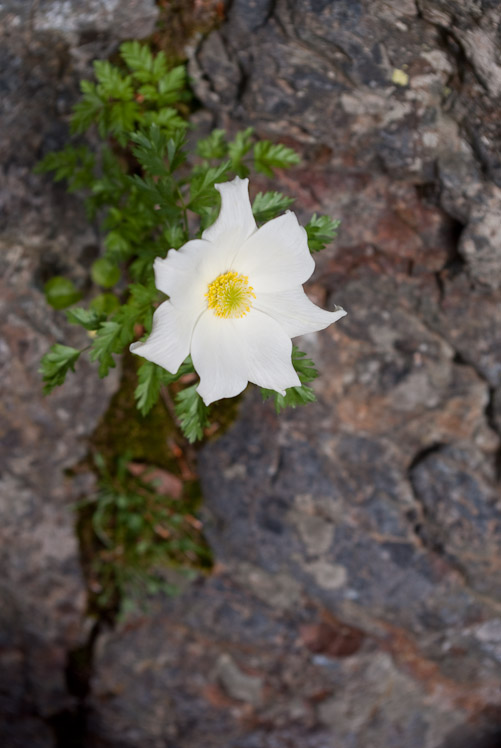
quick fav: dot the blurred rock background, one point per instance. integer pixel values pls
(356, 597)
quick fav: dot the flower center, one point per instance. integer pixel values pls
(230, 295)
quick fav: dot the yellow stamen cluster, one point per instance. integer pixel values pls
(230, 295)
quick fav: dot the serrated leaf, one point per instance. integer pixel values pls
(138, 59)
(105, 273)
(90, 319)
(149, 385)
(238, 148)
(172, 85)
(295, 396)
(55, 365)
(175, 236)
(106, 342)
(76, 165)
(192, 413)
(137, 310)
(148, 92)
(111, 82)
(159, 193)
(159, 66)
(151, 378)
(150, 150)
(175, 150)
(168, 119)
(202, 192)
(105, 304)
(268, 205)
(87, 111)
(141, 270)
(321, 231)
(122, 118)
(269, 156)
(61, 292)
(213, 146)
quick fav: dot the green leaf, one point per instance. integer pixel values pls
(321, 231)
(150, 69)
(61, 292)
(238, 148)
(150, 150)
(149, 92)
(202, 192)
(192, 413)
(175, 236)
(268, 205)
(160, 194)
(88, 318)
(175, 150)
(88, 110)
(106, 342)
(138, 59)
(55, 365)
(214, 146)
(168, 119)
(76, 165)
(122, 118)
(105, 304)
(149, 384)
(295, 396)
(141, 270)
(117, 245)
(111, 82)
(151, 378)
(142, 296)
(113, 336)
(269, 156)
(120, 329)
(172, 85)
(105, 273)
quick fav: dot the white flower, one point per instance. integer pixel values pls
(235, 301)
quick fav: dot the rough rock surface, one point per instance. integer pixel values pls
(43, 232)
(356, 597)
(358, 602)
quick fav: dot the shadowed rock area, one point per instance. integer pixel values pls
(356, 599)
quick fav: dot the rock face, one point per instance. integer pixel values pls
(381, 503)
(43, 232)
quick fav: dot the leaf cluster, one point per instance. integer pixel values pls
(137, 532)
(145, 195)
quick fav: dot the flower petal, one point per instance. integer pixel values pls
(227, 353)
(235, 221)
(268, 352)
(181, 274)
(276, 257)
(218, 358)
(294, 311)
(169, 342)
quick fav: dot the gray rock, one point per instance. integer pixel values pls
(237, 684)
(42, 232)
(90, 28)
(457, 489)
(480, 244)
